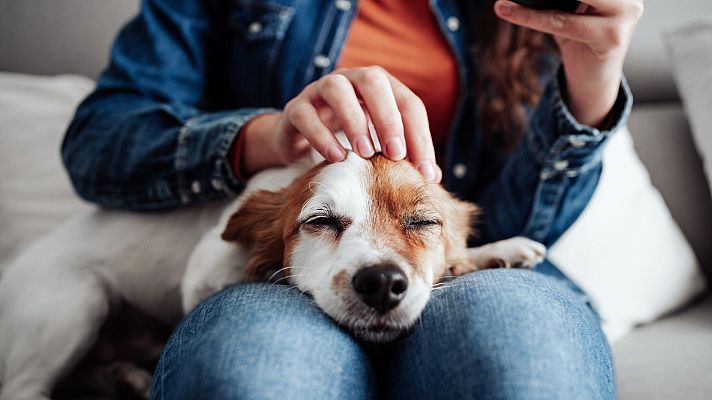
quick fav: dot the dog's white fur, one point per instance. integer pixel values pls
(55, 296)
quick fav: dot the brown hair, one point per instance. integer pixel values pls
(509, 67)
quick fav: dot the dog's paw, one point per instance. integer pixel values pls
(517, 252)
(132, 379)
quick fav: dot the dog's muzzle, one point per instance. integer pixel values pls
(381, 287)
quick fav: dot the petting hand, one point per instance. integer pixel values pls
(345, 100)
(593, 45)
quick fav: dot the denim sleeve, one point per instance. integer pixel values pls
(549, 179)
(153, 135)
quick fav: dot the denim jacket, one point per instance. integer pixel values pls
(185, 76)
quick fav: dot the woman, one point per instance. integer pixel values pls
(200, 95)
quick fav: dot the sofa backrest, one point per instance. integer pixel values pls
(58, 37)
(647, 65)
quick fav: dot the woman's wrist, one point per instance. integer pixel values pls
(253, 150)
(591, 101)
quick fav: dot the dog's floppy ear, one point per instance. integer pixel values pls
(459, 218)
(257, 225)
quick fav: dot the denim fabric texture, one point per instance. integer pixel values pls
(495, 334)
(186, 75)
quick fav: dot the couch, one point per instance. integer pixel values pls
(670, 358)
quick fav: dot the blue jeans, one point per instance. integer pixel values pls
(495, 334)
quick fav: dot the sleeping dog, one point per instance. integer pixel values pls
(367, 239)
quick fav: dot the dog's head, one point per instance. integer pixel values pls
(366, 238)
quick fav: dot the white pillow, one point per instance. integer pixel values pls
(35, 194)
(625, 250)
(690, 48)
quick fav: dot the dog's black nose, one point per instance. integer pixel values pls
(381, 287)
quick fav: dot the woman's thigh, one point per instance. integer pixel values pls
(504, 334)
(260, 341)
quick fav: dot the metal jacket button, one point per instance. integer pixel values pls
(322, 61)
(343, 5)
(195, 187)
(577, 143)
(216, 184)
(255, 27)
(561, 165)
(453, 23)
(459, 170)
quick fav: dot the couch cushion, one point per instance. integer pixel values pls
(622, 247)
(664, 144)
(670, 359)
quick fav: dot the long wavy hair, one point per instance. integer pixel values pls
(509, 68)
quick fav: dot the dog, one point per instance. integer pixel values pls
(367, 238)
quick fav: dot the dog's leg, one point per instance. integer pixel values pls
(49, 318)
(133, 379)
(518, 252)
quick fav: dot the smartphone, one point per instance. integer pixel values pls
(562, 5)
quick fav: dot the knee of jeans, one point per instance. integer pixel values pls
(260, 341)
(512, 326)
(532, 308)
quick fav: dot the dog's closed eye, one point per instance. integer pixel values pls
(417, 223)
(319, 223)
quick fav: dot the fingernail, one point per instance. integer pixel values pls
(504, 7)
(364, 147)
(395, 149)
(335, 154)
(426, 169)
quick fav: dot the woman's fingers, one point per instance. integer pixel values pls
(417, 131)
(601, 30)
(338, 94)
(400, 119)
(374, 88)
(304, 118)
(581, 28)
(346, 100)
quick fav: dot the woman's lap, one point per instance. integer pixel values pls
(504, 334)
(260, 341)
(492, 334)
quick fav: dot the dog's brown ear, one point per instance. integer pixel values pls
(257, 225)
(459, 218)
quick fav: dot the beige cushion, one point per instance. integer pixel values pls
(664, 143)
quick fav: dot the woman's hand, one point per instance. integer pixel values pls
(593, 46)
(344, 100)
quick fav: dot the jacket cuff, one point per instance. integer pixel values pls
(202, 159)
(563, 145)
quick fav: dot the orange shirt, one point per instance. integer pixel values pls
(403, 37)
